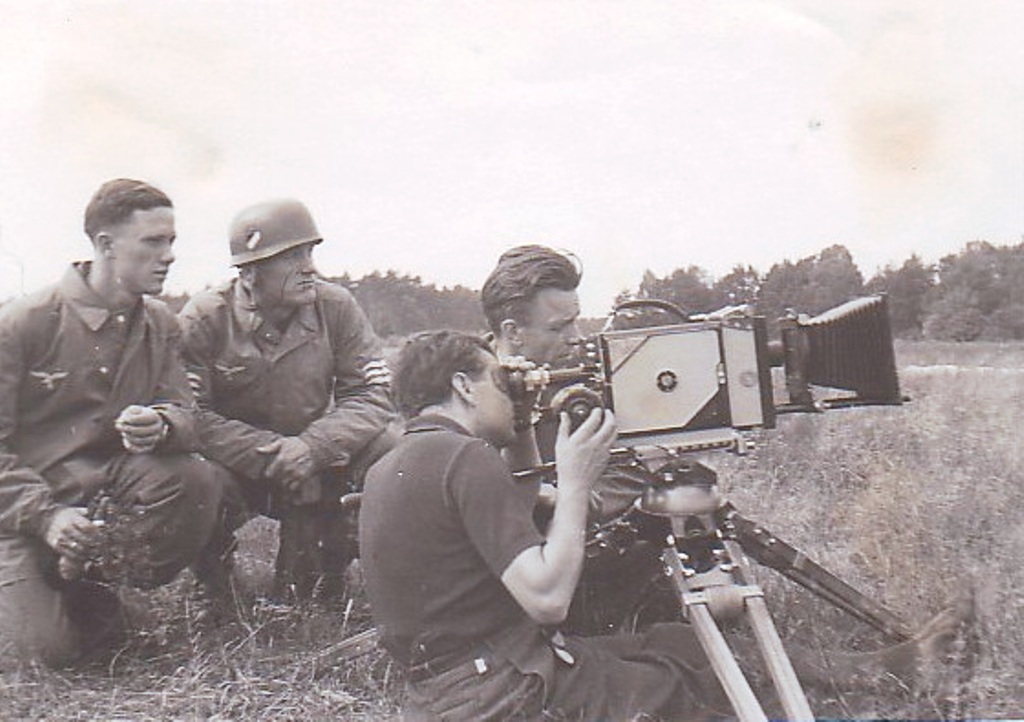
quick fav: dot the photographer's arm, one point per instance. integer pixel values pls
(542, 578)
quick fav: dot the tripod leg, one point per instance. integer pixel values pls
(791, 694)
(729, 674)
(767, 549)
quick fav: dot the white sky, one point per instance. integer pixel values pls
(427, 137)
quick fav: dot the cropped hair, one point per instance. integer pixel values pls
(116, 200)
(521, 273)
(427, 363)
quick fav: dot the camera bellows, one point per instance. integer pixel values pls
(850, 347)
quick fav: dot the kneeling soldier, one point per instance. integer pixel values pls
(293, 391)
(96, 417)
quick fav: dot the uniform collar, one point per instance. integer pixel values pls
(435, 422)
(249, 316)
(89, 305)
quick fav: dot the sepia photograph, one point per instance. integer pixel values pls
(529, 359)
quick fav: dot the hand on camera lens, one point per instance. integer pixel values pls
(517, 363)
(581, 455)
(521, 388)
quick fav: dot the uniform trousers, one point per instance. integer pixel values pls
(170, 505)
(661, 674)
(317, 538)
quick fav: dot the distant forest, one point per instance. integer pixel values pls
(976, 294)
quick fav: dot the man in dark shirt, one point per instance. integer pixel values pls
(466, 592)
(96, 415)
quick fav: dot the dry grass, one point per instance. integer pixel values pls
(912, 505)
(279, 663)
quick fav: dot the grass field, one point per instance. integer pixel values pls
(913, 505)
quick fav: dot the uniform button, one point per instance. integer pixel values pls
(104, 370)
(120, 318)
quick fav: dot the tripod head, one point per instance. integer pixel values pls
(680, 488)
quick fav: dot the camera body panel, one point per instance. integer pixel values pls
(666, 382)
(706, 383)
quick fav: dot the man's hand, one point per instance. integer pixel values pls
(141, 428)
(72, 535)
(292, 467)
(526, 397)
(580, 457)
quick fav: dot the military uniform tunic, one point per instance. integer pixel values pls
(323, 379)
(69, 365)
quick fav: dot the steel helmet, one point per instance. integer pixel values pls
(269, 228)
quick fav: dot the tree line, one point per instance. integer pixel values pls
(975, 294)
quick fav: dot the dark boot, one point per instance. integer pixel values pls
(95, 609)
(217, 596)
(298, 567)
(338, 547)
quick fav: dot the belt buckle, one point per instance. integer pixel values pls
(430, 669)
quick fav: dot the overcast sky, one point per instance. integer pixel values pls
(427, 137)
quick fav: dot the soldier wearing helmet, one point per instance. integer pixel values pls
(293, 390)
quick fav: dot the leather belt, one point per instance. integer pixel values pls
(480, 661)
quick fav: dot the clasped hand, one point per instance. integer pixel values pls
(71, 534)
(292, 467)
(142, 428)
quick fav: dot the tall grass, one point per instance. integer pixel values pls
(278, 663)
(913, 505)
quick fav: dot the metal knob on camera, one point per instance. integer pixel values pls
(577, 401)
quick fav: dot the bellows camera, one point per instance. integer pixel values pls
(701, 383)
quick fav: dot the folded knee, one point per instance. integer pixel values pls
(53, 642)
(175, 505)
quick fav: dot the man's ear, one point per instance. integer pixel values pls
(104, 244)
(462, 388)
(509, 330)
(247, 275)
